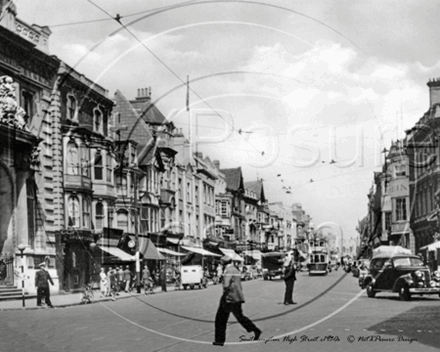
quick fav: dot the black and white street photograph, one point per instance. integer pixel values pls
(219, 175)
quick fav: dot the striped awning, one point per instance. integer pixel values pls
(231, 253)
(118, 253)
(201, 251)
(170, 252)
(256, 254)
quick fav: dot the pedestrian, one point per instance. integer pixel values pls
(113, 282)
(42, 279)
(231, 302)
(127, 278)
(163, 278)
(120, 276)
(289, 280)
(146, 277)
(103, 283)
(219, 272)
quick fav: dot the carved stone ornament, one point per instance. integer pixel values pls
(10, 112)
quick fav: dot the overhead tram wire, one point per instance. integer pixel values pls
(123, 16)
(208, 2)
(118, 19)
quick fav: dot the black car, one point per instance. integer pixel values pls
(403, 273)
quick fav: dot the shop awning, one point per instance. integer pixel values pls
(256, 254)
(431, 247)
(119, 253)
(231, 253)
(390, 250)
(183, 241)
(147, 248)
(170, 252)
(201, 251)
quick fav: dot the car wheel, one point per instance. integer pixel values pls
(185, 286)
(404, 294)
(370, 291)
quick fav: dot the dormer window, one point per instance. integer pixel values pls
(71, 107)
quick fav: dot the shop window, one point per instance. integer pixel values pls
(73, 208)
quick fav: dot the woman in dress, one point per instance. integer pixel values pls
(103, 283)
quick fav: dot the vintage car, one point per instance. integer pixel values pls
(404, 274)
(272, 264)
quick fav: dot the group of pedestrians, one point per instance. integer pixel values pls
(115, 280)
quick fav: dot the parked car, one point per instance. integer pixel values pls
(404, 274)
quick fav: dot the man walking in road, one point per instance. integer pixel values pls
(42, 279)
(231, 302)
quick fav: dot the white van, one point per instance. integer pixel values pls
(192, 275)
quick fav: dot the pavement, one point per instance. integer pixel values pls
(71, 299)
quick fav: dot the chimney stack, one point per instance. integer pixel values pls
(216, 164)
(144, 94)
(434, 91)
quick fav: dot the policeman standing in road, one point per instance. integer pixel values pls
(289, 280)
(42, 279)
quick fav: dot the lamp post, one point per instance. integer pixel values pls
(21, 247)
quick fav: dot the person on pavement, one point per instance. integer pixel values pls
(120, 278)
(231, 302)
(42, 279)
(219, 272)
(127, 278)
(163, 278)
(103, 285)
(289, 280)
(146, 278)
(113, 283)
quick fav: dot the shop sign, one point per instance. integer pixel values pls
(386, 203)
(400, 227)
(398, 188)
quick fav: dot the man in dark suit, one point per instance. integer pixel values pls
(42, 279)
(289, 280)
(231, 302)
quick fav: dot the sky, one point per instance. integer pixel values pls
(279, 88)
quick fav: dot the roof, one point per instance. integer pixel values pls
(257, 187)
(234, 178)
(128, 116)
